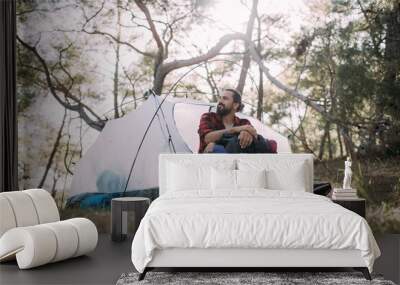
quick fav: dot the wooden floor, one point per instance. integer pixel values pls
(103, 266)
(110, 260)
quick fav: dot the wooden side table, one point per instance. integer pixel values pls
(119, 215)
(357, 205)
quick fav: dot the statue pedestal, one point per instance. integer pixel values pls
(344, 194)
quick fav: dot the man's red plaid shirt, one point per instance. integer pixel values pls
(213, 122)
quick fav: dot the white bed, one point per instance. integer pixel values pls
(248, 227)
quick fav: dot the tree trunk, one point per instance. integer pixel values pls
(390, 102)
(158, 82)
(339, 137)
(53, 151)
(303, 139)
(330, 155)
(134, 99)
(260, 101)
(116, 81)
(53, 190)
(323, 140)
(247, 57)
(212, 84)
(116, 71)
(348, 143)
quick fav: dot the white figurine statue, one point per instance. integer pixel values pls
(347, 174)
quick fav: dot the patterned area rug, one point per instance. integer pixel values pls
(273, 278)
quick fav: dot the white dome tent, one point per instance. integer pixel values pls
(127, 149)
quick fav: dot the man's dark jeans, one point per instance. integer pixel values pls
(230, 144)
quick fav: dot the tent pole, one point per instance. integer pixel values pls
(170, 141)
(144, 136)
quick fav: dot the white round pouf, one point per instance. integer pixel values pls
(52, 242)
(87, 233)
(67, 240)
(32, 246)
(32, 233)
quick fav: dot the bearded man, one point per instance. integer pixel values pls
(224, 132)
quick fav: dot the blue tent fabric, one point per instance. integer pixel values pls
(103, 200)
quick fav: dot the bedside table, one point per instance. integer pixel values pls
(119, 215)
(357, 205)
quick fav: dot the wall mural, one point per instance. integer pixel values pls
(90, 129)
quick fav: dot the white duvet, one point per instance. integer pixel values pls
(253, 218)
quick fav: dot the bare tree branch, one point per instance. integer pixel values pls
(153, 29)
(60, 58)
(88, 19)
(39, 10)
(79, 107)
(169, 27)
(95, 32)
(167, 67)
(283, 87)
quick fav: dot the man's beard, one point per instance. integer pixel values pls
(222, 110)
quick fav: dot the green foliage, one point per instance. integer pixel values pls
(353, 70)
(376, 180)
(23, 7)
(362, 183)
(24, 100)
(27, 74)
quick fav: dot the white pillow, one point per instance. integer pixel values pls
(251, 178)
(181, 178)
(281, 174)
(284, 179)
(223, 179)
(226, 179)
(186, 175)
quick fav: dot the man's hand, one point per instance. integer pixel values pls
(209, 148)
(248, 128)
(245, 138)
(251, 130)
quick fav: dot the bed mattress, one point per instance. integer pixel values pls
(250, 219)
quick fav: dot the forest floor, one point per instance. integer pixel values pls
(377, 180)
